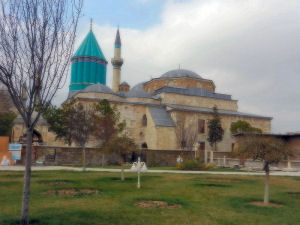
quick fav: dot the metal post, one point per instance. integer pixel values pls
(139, 183)
(139, 171)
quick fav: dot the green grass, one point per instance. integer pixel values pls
(205, 199)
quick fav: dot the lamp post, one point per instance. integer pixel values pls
(139, 167)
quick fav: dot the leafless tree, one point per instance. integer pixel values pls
(270, 150)
(36, 44)
(82, 128)
(186, 133)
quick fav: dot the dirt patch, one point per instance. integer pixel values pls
(262, 204)
(156, 205)
(71, 192)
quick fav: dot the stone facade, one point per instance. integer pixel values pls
(156, 84)
(159, 111)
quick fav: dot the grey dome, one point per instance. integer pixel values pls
(180, 73)
(97, 88)
(137, 92)
(124, 83)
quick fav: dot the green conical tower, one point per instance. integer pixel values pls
(88, 64)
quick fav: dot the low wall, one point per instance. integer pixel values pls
(231, 162)
(51, 155)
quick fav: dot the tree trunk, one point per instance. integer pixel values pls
(84, 163)
(122, 172)
(27, 176)
(267, 187)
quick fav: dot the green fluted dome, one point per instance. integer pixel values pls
(89, 47)
(88, 64)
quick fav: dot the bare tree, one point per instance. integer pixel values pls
(36, 44)
(82, 128)
(186, 133)
(268, 149)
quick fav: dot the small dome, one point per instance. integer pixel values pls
(180, 73)
(124, 83)
(138, 92)
(97, 88)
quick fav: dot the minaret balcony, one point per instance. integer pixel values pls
(117, 62)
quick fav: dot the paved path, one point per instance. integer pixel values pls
(69, 168)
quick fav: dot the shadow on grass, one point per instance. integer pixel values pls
(213, 185)
(243, 205)
(225, 180)
(10, 183)
(132, 178)
(15, 221)
(294, 194)
(56, 181)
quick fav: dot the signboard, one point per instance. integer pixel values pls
(15, 150)
(14, 147)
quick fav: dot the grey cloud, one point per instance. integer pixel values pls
(249, 48)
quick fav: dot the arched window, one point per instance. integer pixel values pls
(144, 120)
(171, 84)
(144, 145)
(198, 85)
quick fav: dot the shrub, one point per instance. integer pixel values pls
(191, 165)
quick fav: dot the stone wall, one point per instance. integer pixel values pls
(51, 155)
(198, 101)
(156, 84)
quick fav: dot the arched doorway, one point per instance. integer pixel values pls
(144, 145)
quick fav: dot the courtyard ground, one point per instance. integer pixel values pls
(100, 198)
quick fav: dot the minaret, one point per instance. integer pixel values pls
(117, 62)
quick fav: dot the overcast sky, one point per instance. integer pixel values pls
(249, 48)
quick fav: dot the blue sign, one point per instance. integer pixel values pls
(14, 147)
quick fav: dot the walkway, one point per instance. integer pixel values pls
(69, 168)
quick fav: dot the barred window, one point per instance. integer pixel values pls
(201, 126)
(144, 120)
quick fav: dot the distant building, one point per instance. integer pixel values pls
(151, 109)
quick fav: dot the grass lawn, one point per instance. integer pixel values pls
(204, 199)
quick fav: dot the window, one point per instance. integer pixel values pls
(202, 146)
(144, 120)
(144, 145)
(171, 84)
(232, 146)
(201, 126)
(198, 85)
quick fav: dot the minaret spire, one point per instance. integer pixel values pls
(91, 24)
(117, 63)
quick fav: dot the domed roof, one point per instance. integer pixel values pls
(89, 47)
(124, 83)
(97, 88)
(137, 92)
(180, 73)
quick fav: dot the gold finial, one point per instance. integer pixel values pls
(91, 24)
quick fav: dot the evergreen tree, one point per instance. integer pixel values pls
(6, 123)
(215, 130)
